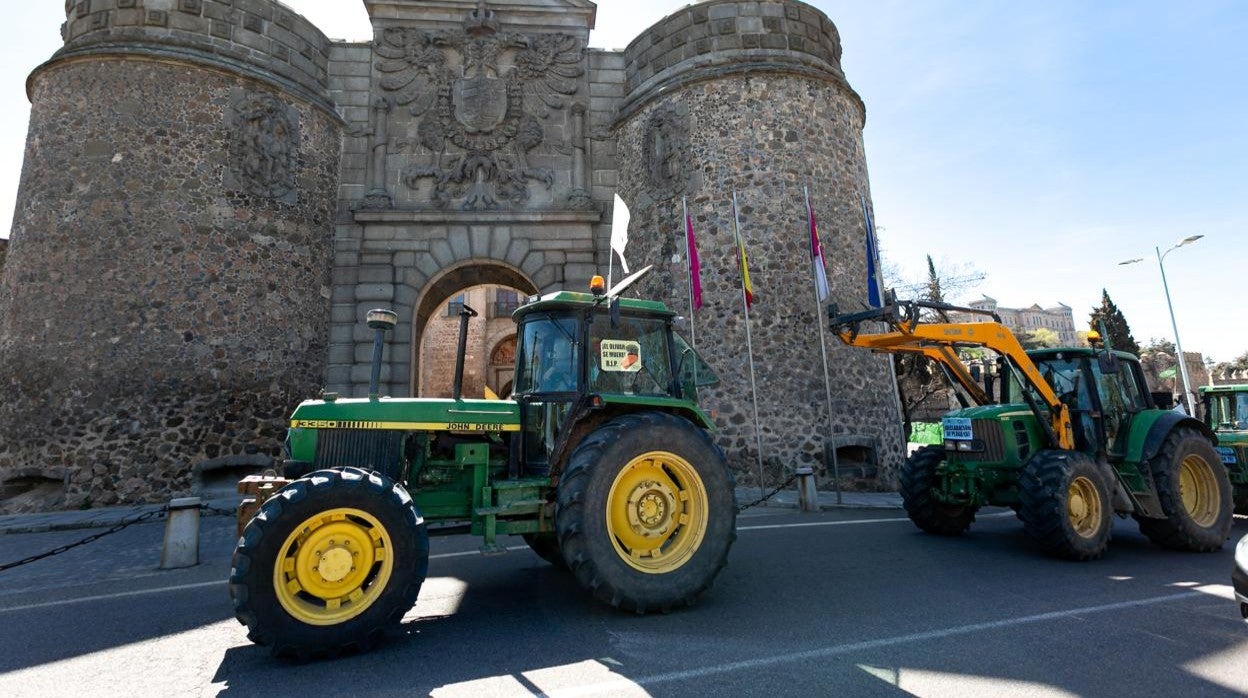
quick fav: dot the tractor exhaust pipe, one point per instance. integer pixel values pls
(464, 313)
(379, 320)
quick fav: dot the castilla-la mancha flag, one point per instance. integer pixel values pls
(816, 255)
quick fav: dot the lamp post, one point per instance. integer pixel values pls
(1178, 345)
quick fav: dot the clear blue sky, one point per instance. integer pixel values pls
(1040, 143)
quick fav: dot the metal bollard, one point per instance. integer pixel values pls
(807, 494)
(181, 547)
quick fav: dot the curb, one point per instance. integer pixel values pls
(98, 518)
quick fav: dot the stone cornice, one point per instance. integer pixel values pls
(171, 54)
(638, 99)
(475, 217)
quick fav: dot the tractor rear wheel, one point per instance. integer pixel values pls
(329, 564)
(1195, 494)
(646, 512)
(546, 545)
(918, 477)
(1065, 504)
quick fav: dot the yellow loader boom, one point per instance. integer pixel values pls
(940, 341)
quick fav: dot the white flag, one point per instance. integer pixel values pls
(619, 230)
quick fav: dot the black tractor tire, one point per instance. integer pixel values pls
(1065, 504)
(1201, 522)
(299, 515)
(1241, 500)
(546, 545)
(667, 469)
(918, 477)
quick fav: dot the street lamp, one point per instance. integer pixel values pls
(1178, 345)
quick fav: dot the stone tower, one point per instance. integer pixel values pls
(166, 296)
(728, 95)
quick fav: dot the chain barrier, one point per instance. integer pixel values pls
(89, 539)
(769, 495)
(209, 509)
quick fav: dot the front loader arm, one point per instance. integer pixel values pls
(940, 341)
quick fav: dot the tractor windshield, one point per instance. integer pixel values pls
(631, 357)
(1228, 410)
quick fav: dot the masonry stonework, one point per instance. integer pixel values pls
(749, 97)
(214, 195)
(165, 300)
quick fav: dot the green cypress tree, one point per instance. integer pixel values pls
(1116, 327)
(934, 292)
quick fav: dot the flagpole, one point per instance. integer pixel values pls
(823, 350)
(610, 265)
(874, 242)
(749, 345)
(693, 332)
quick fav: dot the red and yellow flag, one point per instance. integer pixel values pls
(742, 259)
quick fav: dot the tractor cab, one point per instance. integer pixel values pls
(582, 356)
(1103, 390)
(1226, 413)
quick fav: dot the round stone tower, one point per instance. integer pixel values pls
(728, 95)
(165, 300)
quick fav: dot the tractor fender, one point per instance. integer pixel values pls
(1153, 428)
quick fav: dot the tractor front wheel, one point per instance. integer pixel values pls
(1195, 494)
(646, 512)
(1065, 504)
(918, 478)
(329, 564)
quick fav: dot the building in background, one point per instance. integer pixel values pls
(1024, 321)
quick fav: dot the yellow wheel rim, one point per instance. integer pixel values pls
(1083, 507)
(333, 566)
(1199, 490)
(657, 512)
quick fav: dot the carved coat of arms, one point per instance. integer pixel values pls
(481, 96)
(264, 145)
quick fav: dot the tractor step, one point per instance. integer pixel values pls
(524, 506)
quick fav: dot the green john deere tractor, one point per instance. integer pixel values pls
(601, 461)
(1068, 437)
(1226, 413)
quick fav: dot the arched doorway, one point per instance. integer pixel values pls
(502, 366)
(490, 288)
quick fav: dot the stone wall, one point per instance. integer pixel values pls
(750, 97)
(4, 250)
(165, 302)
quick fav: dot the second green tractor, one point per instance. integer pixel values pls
(1065, 437)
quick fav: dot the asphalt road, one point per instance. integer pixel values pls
(849, 602)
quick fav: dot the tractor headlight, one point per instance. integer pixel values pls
(1241, 554)
(972, 446)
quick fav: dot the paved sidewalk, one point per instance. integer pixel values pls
(103, 517)
(787, 499)
(106, 517)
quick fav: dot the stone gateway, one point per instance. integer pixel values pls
(214, 195)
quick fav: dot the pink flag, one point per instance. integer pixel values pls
(695, 267)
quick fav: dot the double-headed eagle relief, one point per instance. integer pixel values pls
(482, 97)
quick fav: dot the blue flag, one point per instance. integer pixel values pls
(873, 260)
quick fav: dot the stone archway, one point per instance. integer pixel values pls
(501, 365)
(451, 281)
